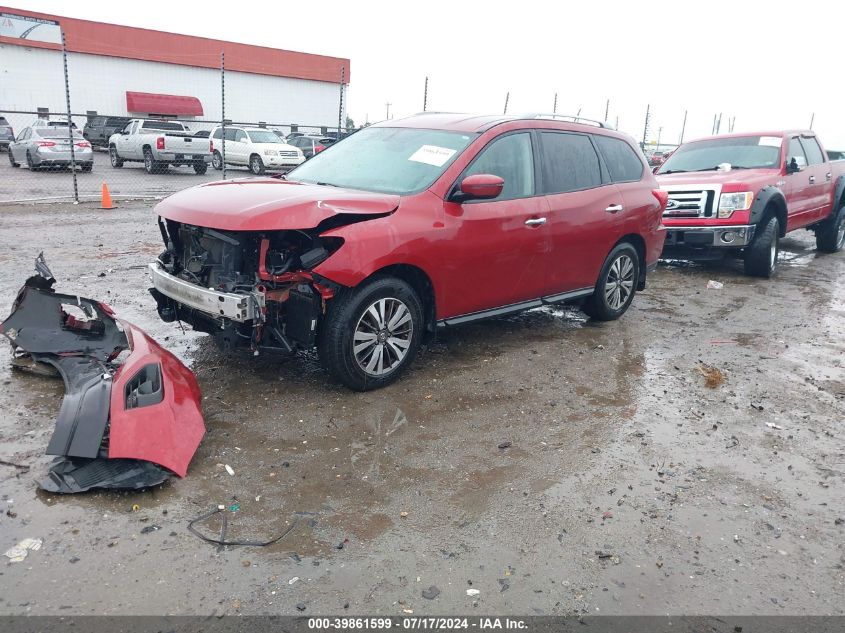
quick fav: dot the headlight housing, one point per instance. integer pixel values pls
(270, 152)
(730, 202)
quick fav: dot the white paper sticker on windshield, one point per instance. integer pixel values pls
(432, 155)
(770, 141)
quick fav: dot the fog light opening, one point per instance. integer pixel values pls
(728, 237)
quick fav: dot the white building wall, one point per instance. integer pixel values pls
(33, 77)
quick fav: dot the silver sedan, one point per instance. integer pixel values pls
(45, 147)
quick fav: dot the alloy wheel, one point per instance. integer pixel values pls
(619, 283)
(383, 336)
(840, 232)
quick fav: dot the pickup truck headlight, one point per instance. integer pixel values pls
(271, 152)
(730, 202)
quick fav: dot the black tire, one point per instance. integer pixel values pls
(256, 165)
(116, 161)
(87, 167)
(12, 159)
(616, 285)
(29, 162)
(152, 166)
(761, 256)
(200, 168)
(217, 160)
(830, 236)
(349, 316)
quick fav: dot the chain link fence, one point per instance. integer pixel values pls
(152, 147)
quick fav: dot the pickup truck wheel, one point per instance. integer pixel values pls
(371, 334)
(761, 257)
(217, 160)
(616, 286)
(256, 165)
(116, 161)
(152, 166)
(200, 168)
(830, 238)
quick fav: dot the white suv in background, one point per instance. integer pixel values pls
(257, 148)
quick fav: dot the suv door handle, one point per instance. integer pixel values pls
(812, 179)
(827, 176)
(614, 208)
(535, 221)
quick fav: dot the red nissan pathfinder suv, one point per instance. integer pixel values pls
(434, 220)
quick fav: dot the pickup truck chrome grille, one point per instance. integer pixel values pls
(691, 201)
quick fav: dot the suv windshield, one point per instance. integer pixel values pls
(262, 136)
(743, 152)
(383, 159)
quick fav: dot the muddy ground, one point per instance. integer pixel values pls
(629, 486)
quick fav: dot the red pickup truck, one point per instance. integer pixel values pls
(741, 193)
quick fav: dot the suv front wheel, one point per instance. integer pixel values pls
(616, 285)
(372, 333)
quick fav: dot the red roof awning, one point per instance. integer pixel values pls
(149, 103)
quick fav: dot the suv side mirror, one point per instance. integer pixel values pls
(792, 166)
(479, 187)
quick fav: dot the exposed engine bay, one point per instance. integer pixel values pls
(257, 288)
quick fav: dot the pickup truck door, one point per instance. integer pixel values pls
(820, 198)
(799, 202)
(127, 144)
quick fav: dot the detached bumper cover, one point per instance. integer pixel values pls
(127, 423)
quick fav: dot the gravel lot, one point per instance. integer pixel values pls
(625, 484)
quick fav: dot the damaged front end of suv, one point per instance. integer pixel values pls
(239, 259)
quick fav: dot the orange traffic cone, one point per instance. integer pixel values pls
(106, 198)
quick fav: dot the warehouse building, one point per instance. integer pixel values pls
(125, 71)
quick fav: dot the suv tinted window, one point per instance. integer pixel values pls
(114, 121)
(3, 121)
(621, 160)
(218, 133)
(511, 158)
(796, 151)
(240, 136)
(814, 152)
(570, 162)
(230, 134)
(97, 121)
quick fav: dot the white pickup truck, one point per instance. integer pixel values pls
(158, 144)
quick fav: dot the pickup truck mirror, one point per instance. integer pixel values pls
(792, 166)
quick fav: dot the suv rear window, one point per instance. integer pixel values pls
(116, 121)
(622, 162)
(570, 162)
(3, 121)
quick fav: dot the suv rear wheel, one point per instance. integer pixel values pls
(217, 160)
(616, 286)
(830, 237)
(761, 256)
(372, 333)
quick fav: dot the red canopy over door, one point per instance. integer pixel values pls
(149, 103)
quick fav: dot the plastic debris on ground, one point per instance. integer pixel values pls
(19, 552)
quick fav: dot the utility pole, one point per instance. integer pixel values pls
(616, 127)
(713, 127)
(425, 94)
(606, 110)
(812, 118)
(554, 107)
(507, 98)
(683, 128)
(719, 124)
(645, 127)
(387, 112)
(659, 134)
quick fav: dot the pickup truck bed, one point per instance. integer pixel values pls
(158, 144)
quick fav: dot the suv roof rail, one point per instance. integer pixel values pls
(567, 117)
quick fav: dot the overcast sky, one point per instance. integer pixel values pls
(771, 65)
